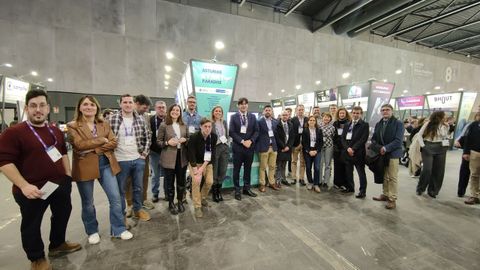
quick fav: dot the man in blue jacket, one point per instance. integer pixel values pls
(266, 146)
(244, 132)
(389, 135)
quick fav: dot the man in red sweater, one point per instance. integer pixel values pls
(32, 154)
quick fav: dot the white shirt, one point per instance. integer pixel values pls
(176, 129)
(125, 152)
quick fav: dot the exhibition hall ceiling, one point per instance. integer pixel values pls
(449, 25)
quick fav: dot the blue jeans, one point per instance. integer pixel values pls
(315, 161)
(109, 183)
(157, 172)
(133, 168)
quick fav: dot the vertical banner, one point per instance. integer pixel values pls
(380, 94)
(213, 84)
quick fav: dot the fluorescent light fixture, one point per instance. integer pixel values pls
(244, 65)
(169, 55)
(398, 71)
(298, 86)
(166, 82)
(402, 95)
(385, 80)
(49, 80)
(34, 73)
(460, 89)
(167, 76)
(7, 65)
(283, 90)
(405, 91)
(168, 68)
(346, 75)
(269, 93)
(428, 93)
(219, 45)
(166, 87)
(437, 87)
(318, 82)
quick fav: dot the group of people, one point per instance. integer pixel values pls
(123, 150)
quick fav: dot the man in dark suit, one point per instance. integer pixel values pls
(285, 137)
(244, 132)
(298, 123)
(353, 139)
(266, 146)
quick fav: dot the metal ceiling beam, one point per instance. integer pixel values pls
(368, 23)
(241, 3)
(445, 31)
(450, 13)
(455, 41)
(465, 48)
(352, 8)
(294, 7)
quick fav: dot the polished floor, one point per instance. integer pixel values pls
(290, 229)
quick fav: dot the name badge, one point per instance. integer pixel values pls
(207, 156)
(130, 140)
(312, 144)
(243, 129)
(340, 131)
(191, 129)
(349, 136)
(54, 154)
(223, 139)
(270, 133)
(445, 143)
(300, 130)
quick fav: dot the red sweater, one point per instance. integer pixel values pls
(18, 145)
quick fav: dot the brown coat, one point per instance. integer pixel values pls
(169, 153)
(85, 164)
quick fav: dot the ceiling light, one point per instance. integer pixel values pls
(166, 87)
(460, 89)
(428, 93)
(7, 65)
(169, 55)
(385, 80)
(219, 45)
(166, 82)
(49, 80)
(345, 75)
(244, 65)
(269, 93)
(318, 82)
(167, 76)
(398, 71)
(402, 95)
(405, 91)
(168, 68)
(298, 86)
(437, 87)
(283, 90)
(34, 73)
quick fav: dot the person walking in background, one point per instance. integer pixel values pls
(326, 154)
(434, 143)
(312, 144)
(93, 158)
(220, 160)
(173, 137)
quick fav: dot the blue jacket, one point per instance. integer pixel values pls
(190, 120)
(392, 138)
(263, 140)
(237, 137)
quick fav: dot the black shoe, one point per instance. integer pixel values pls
(180, 207)
(419, 193)
(302, 182)
(360, 196)
(294, 182)
(286, 183)
(461, 195)
(172, 209)
(215, 193)
(155, 199)
(219, 193)
(249, 193)
(432, 195)
(238, 196)
(347, 191)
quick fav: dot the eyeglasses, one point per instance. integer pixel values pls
(385, 110)
(40, 106)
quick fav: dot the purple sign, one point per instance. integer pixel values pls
(411, 103)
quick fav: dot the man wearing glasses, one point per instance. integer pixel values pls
(389, 135)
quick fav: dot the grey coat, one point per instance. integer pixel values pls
(169, 153)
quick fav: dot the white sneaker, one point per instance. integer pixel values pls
(94, 239)
(126, 235)
(309, 186)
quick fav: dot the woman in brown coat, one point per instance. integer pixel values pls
(173, 138)
(93, 158)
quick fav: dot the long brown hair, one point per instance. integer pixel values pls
(214, 108)
(168, 118)
(78, 116)
(347, 115)
(436, 120)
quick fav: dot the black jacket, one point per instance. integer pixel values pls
(197, 146)
(306, 141)
(296, 124)
(154, 125)
(337, 142)
(282, 142)
(360, 134)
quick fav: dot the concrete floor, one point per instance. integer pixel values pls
(290, 229)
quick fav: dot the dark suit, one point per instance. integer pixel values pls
(297, 154)
(309, 160)
(266, 146)
(359, 136)
(263, 140)
(241, 154)
(339, 177)
(282, 142)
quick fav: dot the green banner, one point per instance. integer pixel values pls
(213, 84)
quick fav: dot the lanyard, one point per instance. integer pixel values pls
(40, 139)
(208, 146)
(243, 119)
(222, 132)
(126, 131)
(94, 131)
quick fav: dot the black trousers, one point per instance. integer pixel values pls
(360, 167)
(239, 158)
(339, 175)
(433, 158)
(32, 211)
(177, 174)
(463, 178)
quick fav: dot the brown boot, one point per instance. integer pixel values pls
(64, 248)
(472, 201)
(391, 204)
(41, 264)
(273, 186)
(381, 198)
(262, 188)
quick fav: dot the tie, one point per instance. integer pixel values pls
(285, 128)
(244, 119)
